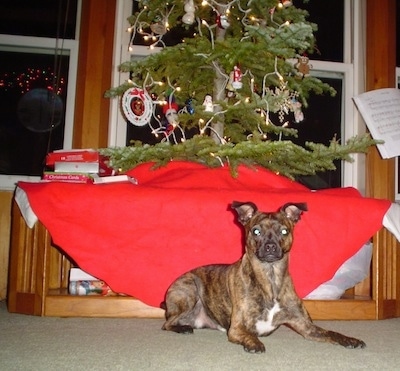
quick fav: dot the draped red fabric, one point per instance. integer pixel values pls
(139, 238)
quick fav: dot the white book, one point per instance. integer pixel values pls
(122, 178)
(76, 167)
(380, 110)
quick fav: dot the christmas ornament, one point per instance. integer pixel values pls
(137, 106)
(189, 106)
(189, 17)
(170, 111)
(296, 108)
(223, 22)
(235, 79)
(302, 66)
(158, 28)
(208, 103)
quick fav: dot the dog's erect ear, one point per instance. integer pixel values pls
(245, 210)
(293, 211)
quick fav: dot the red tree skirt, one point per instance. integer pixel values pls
(139, 238)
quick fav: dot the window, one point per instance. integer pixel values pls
(338, 60)
(37, 82)
(329, 16)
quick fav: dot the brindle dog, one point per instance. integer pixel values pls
(253, 296)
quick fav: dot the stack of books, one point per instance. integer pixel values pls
(82, 283)
(81, 166)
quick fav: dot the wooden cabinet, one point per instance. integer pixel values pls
(38, 280)
(38, 285)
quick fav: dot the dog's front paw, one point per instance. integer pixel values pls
(258, 349)
(254, 347)
(250, 342)
(181, 329)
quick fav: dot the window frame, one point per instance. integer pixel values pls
(44, 45)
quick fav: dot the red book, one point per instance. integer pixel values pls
(72, 155)
(52, 176)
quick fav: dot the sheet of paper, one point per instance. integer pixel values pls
(380, 110)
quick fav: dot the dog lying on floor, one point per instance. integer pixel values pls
(253, 296)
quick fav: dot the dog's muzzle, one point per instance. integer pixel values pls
(269, 252)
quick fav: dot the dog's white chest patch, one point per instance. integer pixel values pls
(265, 327)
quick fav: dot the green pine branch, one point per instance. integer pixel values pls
(283, 157)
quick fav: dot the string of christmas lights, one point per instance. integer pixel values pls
(286, 101)
(239, 78)
(23, 82)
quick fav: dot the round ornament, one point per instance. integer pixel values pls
(137, 106)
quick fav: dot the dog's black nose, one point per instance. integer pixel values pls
(270, 248)
(269, 252)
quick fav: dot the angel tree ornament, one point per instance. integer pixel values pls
(189, 17)
(296, 108)
(208, 103)
(137, 106)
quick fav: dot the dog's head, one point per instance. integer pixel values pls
(269, 235)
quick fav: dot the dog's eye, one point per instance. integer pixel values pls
(284, 232)
(256, 231)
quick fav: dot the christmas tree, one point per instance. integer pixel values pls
(227, 93)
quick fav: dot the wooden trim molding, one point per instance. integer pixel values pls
(95, 66)
(380, 73)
